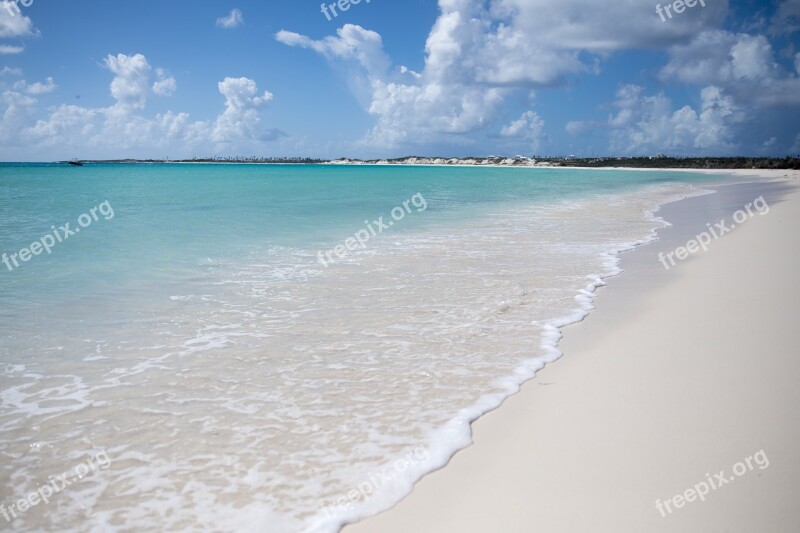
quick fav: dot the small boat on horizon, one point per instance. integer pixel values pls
(75, 163)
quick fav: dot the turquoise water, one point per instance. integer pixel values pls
(234, 381)
(169, 219)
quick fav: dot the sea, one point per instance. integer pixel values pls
(280, 348)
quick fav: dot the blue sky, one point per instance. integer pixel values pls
(114, 79)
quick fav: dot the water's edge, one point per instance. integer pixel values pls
(458, 431)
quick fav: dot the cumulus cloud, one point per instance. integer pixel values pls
(647, 124)
(66, 119)
(123, 126)
(19, 105)
(479, 53)
(528, 128)
(36, 88)
(240, 120)
(432, 103)
(601, 26)
(131, 84)
(18, 109)
(719, 57)
(751, 58)
(744, 65)
(233, 20)
(164, 85)
(16, 24)
(481, 59)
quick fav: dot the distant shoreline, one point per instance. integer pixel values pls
(644, 163)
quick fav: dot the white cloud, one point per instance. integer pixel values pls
(36, 88)
(352, 43)
(406, 70)
(720, 57)
(418, 114)
(7, 49)
(481, 52)
(13, 24)
(164, 85)
(602, 26)
(121, 127)
(65, 119)
(240, 119)
(497, 44)
(174, 125)
(436, 102)
(18, 108)
(131, 84)
(647, 124)
(744, 65)
(233, 20)
(528, 127)
(751, 58)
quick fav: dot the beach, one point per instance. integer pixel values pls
(679, 381)
(443, 266)
(305, 354)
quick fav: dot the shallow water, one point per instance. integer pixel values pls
(234, 381)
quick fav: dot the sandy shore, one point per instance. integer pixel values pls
(676, 377)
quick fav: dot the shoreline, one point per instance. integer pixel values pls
(512, 438)
(462, 163)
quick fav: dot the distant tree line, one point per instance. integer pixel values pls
(662, 161)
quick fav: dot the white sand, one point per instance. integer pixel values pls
(675, 375)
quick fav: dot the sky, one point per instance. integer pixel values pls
(103, 79)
